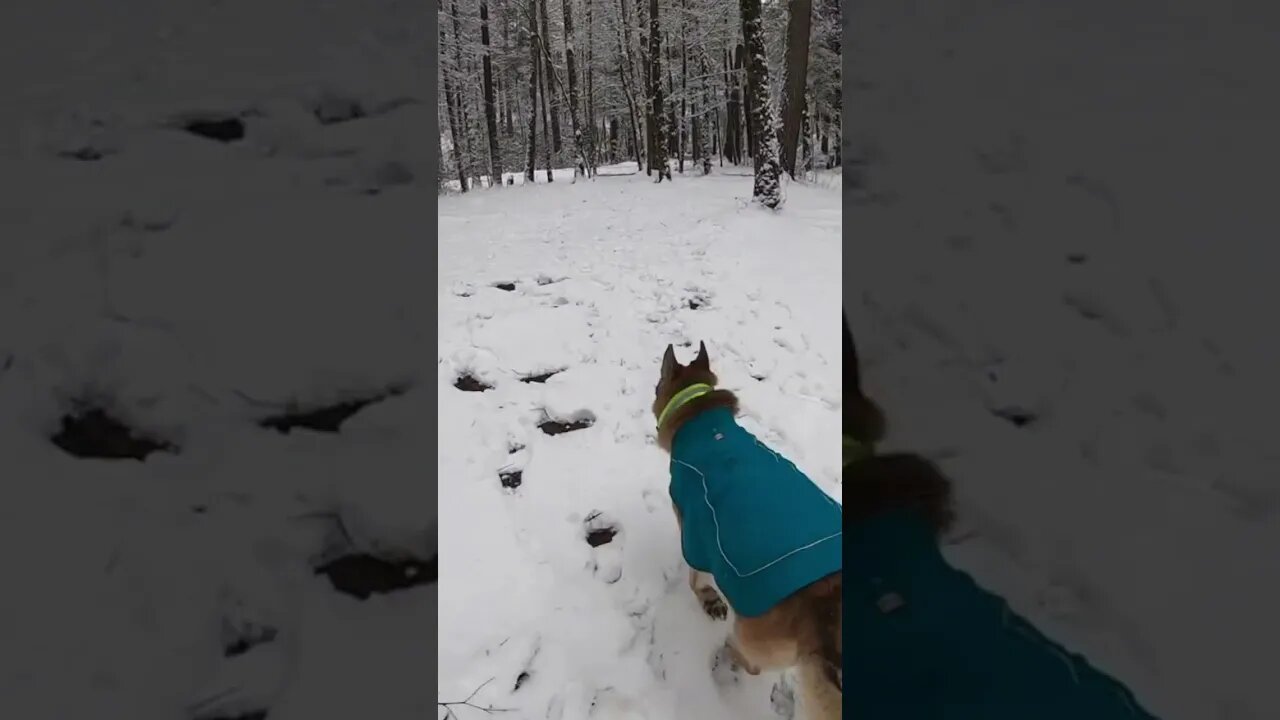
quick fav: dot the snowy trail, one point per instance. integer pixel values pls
(603, 276)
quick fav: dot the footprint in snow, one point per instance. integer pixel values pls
(725, 673)
(603, 534)
(783, 699)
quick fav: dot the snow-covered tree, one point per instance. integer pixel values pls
(654, 82)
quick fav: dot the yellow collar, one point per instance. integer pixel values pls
(681, 399)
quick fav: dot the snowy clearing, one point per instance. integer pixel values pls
(540, 603)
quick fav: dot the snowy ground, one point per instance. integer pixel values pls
(596, 279)
(1064, 211)
(192, 288)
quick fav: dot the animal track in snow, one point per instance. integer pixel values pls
(468, 383)
(92, 432)
(602, 534)
(580, 421)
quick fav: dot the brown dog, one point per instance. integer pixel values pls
(802, 629)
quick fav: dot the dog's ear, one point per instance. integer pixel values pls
(669, 363)
(702, 362)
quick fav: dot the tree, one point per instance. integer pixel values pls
(626, 78)
(658, 148)
(452, 101)
(581, 165)
(544, 40)
(767, 189)
(490, 112)
(651, 80)
(530, 166)
(795, 77)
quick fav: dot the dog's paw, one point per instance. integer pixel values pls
(713, 605)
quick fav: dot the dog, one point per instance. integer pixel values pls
(926, 641)
(752, 522)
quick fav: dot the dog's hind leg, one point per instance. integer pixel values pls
(703, 588)
(820, 699)
(763, 643)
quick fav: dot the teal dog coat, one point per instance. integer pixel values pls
(749, 517)
(924, 642)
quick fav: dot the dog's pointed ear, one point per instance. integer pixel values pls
(669, 363)
(702, 362)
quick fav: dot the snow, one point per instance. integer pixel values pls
(604, 273)
(1063, 210)
(192, 287)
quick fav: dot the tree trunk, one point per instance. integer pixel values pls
(673, 125)
(593, 138)
(700, 142)
(658, 153)
(544, 83)
(731, 134)
(627, 76)
(571, 70)
(633, 113)
(646, 67)
(451, 103)
(490, 111)
(508, 85)
(767, 189)
(531, 164)
(795, 75)
(684, 83)
(465, 124)
(748, 126)
(547, 71)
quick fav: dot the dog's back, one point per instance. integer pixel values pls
(749, 517)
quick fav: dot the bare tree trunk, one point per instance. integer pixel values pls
(731, 133)
(673, 125)
(701, 143)
(531, 164)
(451, 101)
(465, 124)
(646, 66)
(795, 75)
(508, 84)
(571, 70)
(593, 138)
(767, 189)
(658, 153)
(631, 110)
(748, 100)
(547, 71)
(627, 76)
(544, 83)
(490, 111)
(684, 83)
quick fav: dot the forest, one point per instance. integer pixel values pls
(655, 86)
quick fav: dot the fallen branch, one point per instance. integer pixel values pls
(451, 714)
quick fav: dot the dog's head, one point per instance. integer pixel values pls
(675, 377)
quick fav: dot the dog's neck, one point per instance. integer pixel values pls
(687, 403)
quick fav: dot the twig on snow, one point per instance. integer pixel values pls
(451, 714)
